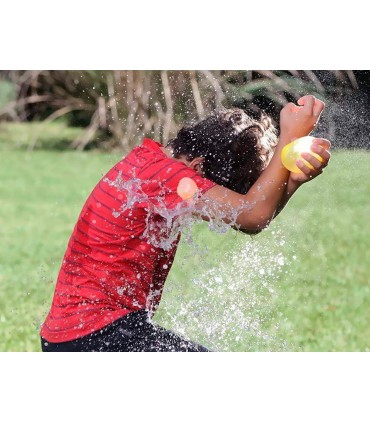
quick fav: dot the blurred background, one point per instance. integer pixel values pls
(115, 109)
(60, 131)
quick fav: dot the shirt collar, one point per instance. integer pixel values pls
(154, 145)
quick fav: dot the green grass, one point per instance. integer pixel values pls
(55, 135)
(302, 285)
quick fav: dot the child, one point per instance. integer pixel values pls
(123, 245)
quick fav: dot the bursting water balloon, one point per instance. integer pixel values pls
(292, 152)
(187, 188)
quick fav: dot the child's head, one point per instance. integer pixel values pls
(236, 147)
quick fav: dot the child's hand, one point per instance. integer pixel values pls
(320, 146)
(299, 121)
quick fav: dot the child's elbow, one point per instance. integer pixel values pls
(248, 231)
(255, 228)
(251, 231)
(255, 231)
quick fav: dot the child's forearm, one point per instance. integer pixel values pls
(290, 189)
(269, 192)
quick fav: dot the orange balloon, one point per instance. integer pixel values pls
(187, 188)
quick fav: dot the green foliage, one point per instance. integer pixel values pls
(127, 105)
(321, 298)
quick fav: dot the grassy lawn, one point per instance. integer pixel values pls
(302, 285)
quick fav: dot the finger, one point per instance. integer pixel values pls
(310, 173)
(322, 152)
(315, 162)
(305, 169)
(307, 102)
(291, 107)
(318, 107)
(323, 142)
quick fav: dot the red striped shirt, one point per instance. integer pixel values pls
(122, 246)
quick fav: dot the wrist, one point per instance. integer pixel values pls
(286, 137)
(292, 135)
(293, 184)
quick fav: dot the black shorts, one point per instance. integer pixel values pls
(131, 333)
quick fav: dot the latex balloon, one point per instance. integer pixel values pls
(292, 152)
(186, 188)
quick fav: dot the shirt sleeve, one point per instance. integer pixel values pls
(173, 174)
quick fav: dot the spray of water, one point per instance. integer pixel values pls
(232, 305)
(346, 120)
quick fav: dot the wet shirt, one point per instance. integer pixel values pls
(122, 246)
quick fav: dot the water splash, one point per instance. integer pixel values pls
(163, 232)
(233, 305)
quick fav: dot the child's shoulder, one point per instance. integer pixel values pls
(148, 161)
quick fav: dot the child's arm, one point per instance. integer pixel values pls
(257, 208)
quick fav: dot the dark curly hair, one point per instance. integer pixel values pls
(236, 147)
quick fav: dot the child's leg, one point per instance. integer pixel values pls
(131, 333)
(151, 337)
(110, 338)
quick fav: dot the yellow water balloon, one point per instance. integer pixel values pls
(292, 152)
(186, 188)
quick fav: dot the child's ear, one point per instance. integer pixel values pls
(196, 164)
